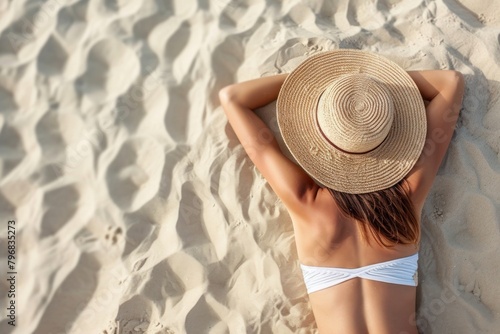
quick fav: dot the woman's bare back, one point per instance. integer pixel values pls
(329, 239)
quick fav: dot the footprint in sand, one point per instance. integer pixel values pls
(145, 97)
(190, 227)
(301, 47)
(53, 57)
(113, 235)
(136, 310)
(169, 280)
(477, 230)
(56, 132)
(111, 68)
(133, 178)
(61, 205)
(202, 316)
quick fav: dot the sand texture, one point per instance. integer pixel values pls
(137, 209)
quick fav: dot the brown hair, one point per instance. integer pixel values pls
(388, 214)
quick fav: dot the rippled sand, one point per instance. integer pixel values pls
(138, 211)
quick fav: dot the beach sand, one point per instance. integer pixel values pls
(136, 208)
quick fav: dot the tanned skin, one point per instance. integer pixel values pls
(325, 237)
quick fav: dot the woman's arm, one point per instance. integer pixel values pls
(255, 93)
(444, 90)
(291, 183)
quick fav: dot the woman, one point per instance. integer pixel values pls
(373, 136)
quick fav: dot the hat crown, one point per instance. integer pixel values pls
(355, 113)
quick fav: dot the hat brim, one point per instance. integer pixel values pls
(351, 173)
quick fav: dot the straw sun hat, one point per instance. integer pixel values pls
(354, 120)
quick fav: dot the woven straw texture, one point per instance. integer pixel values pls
(301, 124)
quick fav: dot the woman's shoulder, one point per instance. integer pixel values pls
(319, 214)
(418, 189)
(322, 224)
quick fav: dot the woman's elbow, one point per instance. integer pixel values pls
(226, 94)
(454, 87)
(456, 79)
